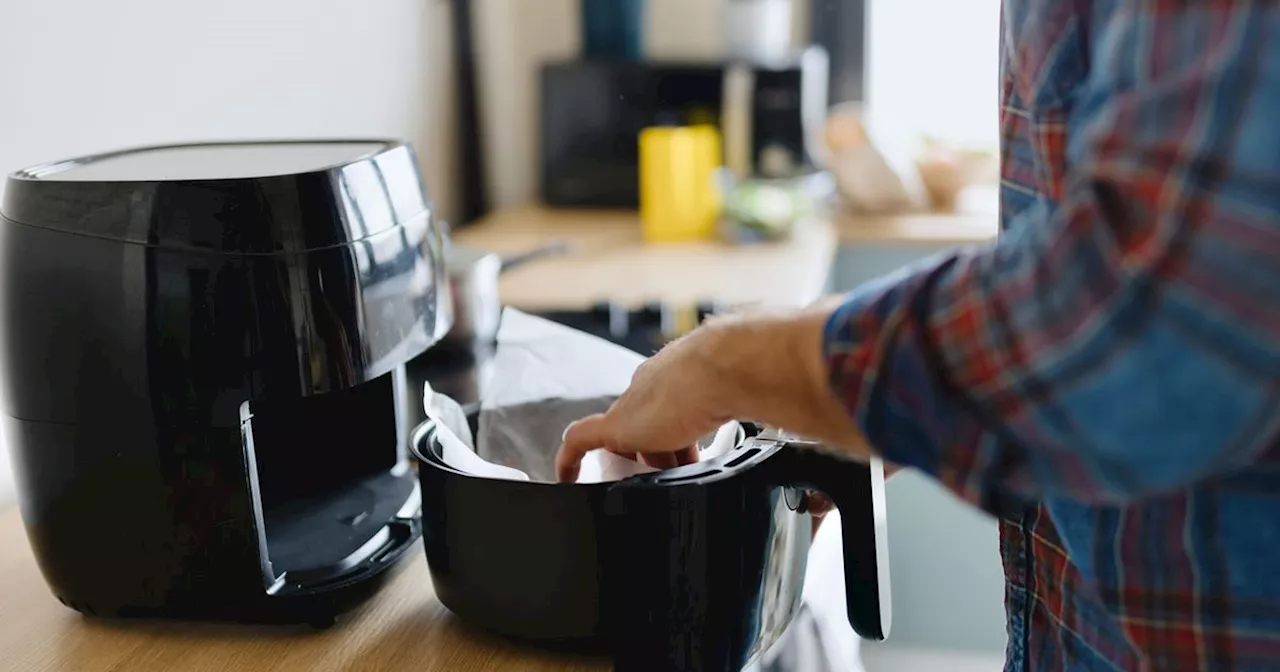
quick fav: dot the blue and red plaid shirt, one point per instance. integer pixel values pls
(1105, 378)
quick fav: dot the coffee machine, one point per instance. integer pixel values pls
(202, 373)
(768, 113)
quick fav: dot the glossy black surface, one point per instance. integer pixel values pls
(591, 114)
(194, 372)
(643, 329)
(592, 110)
(248, 197)
(697, 568)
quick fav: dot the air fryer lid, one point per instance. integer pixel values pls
(235, 197)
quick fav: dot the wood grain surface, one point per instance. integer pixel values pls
(931, 229)
(609, 261)
(404, 627)
(976, 219)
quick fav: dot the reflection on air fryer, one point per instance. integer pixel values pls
(785, 560)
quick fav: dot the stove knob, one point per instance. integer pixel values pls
(612, 316)
(656, 314)
(651, 309)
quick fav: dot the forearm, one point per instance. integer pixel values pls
(770, 369)
(1122, 342)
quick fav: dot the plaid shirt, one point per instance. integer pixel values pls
(1105, 378)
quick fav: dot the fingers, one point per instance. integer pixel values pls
(686, 455)
(593, 433)
(660, 460)
(582, 437)
(818, 505)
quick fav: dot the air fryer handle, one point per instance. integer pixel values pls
(857, 490)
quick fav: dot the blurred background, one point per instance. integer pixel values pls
(517, 102)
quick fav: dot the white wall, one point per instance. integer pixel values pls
(79, 76)
(934, 64)
(512, 39)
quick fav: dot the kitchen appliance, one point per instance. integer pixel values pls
(768, 114)
(694, 568)
(203, 354)
(643, 329)
(840, 27)
(473, 289)
(757, 29)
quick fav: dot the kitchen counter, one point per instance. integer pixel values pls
(925, 229)
(609, 260)
(976, 219)
(404, 627)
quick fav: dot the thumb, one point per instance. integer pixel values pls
(588, 434)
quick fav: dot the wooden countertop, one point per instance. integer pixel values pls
(404, 627)
(975, 220)
(925, 229)
(609, 260)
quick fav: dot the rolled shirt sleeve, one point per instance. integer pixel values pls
(1127, 341)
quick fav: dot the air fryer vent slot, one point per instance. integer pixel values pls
(746, 455)
(690, 477)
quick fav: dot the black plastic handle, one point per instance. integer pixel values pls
(857, 490)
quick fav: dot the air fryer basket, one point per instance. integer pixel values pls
(698, 567)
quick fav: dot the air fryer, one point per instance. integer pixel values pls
(697, 568)
(203, 373)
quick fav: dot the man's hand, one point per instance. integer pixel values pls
(674, 398)
(764, 368)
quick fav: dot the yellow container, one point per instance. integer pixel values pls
(679, 200)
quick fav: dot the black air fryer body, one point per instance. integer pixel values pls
(697, 568)
(203, 373)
